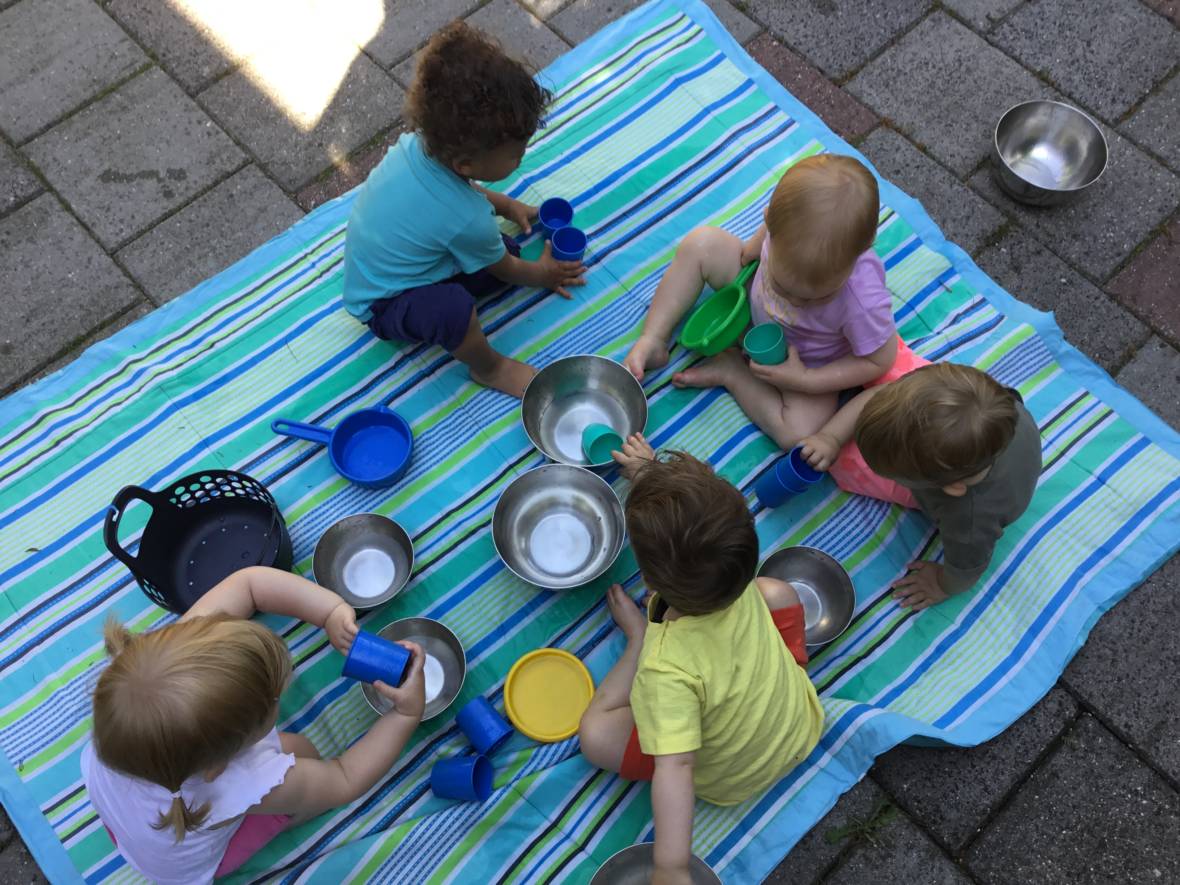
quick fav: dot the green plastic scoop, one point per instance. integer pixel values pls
(719, 321)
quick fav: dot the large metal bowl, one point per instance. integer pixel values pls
(367, 558)
(558, 526)
(446, 663)
(635, 864)
(567, 395)
(824, 588)
(1046, 152)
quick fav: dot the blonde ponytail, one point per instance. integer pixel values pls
(181, 818)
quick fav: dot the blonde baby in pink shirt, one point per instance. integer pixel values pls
(818, 277)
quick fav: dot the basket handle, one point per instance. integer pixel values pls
(110, 528)
(299, 430)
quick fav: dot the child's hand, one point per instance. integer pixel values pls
(787, 375)
(520, 214)
(820, 450)
(409, 699)
(340, 625)
(920, 588)
(631, 620)
(751, 250)
(556, 275)
(636, 450)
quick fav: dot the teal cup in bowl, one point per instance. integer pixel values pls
(766, 344)
(598, 441)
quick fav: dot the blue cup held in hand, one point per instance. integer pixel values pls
(554, 214)
(484, 727)
(462, 777)
(569, 244)
(790, 475)
(372, 658)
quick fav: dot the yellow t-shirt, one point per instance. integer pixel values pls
(725, 686)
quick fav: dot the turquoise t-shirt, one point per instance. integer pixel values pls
(414, 222)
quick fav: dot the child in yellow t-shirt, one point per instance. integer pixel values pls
(710, 697)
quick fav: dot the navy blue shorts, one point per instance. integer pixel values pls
(437, 313)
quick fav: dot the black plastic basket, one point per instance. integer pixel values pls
(202, 528)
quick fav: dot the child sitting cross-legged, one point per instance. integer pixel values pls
(710, 698)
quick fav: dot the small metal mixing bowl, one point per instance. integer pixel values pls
(824, 588)
(576, 391)
(558, 526)
(440, 644)
(366, 558)
(635, 864)
(1046, 152)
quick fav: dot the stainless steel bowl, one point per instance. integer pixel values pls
(635, 864)
(1046, 152)
(567, 395)
(367, 558)
(446, 663)
(824, 588)
(558, 526)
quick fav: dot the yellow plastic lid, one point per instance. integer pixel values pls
(546, 693)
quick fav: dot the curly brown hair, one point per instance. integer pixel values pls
(691, 532)
(469, 97)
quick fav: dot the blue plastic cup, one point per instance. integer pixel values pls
(462, 777)
(371, 658)
(765, 344)
(598, 441)
(554, 214)
(569, 244)
(485, 728)
(790, 475)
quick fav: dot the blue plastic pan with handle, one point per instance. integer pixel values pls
(370, 447)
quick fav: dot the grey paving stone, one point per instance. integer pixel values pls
(17, 182)
(816, 851)
(840, 36)
(1106, 54)
(584, 18)
(1093, 813)
(6, 829)
(953, 790)
(1091, 321)
(17, 866)
(981, 14)
(542, 9)
(67, 286)
(1156, 125)
(1134, 650)
(1102, 227)
(187, 45)
(209, 234)
(295, 147)
(898, 853)
(1154, 377)
(963, 215)
(127, 160)
(944, 87)
(404, 25)
(522, 34)
(138, 311)
(54, 55)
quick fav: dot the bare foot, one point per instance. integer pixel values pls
(507, 376)
(646, 353)
(713, 372)
(636, 452)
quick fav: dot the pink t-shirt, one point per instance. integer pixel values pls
(857, 321)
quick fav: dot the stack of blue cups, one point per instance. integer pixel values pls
(557, 224)
(470, 777)
(789, 475)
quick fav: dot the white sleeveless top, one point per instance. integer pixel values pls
(129, 806)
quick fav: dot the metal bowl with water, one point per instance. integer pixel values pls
(568, 395)
(824, 588)
(1046, 152)
(635, 864)
(445, 668)
(558, 526)
(366, 558)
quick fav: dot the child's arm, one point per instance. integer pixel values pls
(823, 447)
(546, 272)
(752, 248)
(520, 214)
(313, 786)
(848, 371)
(262, 589)
(672, 801)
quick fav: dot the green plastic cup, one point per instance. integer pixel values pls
(598, 441)
(766, 344)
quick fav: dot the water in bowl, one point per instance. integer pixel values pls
(432, 673)
(563, 422)
(369, 572)
(560, 544)
(813, 611)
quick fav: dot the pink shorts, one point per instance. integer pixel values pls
(256, 830)
(850, 471)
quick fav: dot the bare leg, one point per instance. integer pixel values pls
(708, 255)
(786, 416)
(777, 594)
(607, 723)
(489, 367)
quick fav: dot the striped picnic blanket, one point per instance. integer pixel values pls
(659, 124)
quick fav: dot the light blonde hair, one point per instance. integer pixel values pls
(939, 424)
(186, 698)
(822, 216)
